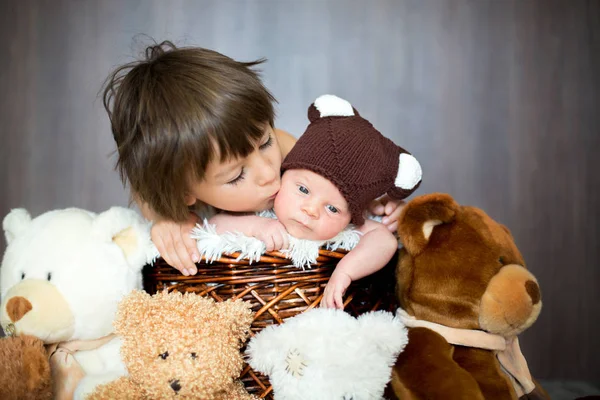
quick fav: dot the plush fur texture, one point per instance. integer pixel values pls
(325, 354)
(63, 274)
(179, 347)
(461, 269)
(24, 369)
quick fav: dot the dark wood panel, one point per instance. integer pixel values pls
(498, 99)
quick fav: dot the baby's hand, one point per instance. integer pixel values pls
(175, 244)
(390, 209)
(272, 233)
(335, 289)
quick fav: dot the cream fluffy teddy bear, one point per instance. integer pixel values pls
(62, 276)
(180, 347)
(326, 354)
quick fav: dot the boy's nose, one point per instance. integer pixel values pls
(267, 173)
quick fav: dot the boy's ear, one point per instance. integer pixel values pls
(421, 215)
(189, 199)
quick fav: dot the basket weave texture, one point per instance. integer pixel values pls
(276, 290)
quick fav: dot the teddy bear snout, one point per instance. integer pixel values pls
(511, 302)
(175, 385)
(17, 307)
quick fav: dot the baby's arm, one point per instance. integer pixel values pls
(270, 231)
(374, 250)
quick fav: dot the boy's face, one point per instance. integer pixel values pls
(245, 184)
(310, 206)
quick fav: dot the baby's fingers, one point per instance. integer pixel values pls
(337, 301)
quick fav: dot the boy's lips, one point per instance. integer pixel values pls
(273, 195)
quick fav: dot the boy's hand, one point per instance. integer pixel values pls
(390, 209)
(175, 244)
(272, 233)
(335, 289)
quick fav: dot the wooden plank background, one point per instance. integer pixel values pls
(498, 99)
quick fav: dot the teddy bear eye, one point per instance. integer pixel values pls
(49, 276)
(164, 355)
(501, 260)
(22, 275)
(193, 355)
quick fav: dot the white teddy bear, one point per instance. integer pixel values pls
(62, 276)
(326, 354)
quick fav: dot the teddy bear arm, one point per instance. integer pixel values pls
(120, 389)
(426, 370)
(485, 368)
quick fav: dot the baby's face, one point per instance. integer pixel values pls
(310, 206)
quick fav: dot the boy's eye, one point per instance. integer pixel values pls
(332, 209)
(303, 189)
(238, 178)
(266, 144)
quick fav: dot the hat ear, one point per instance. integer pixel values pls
(329, 105)
(421, 215)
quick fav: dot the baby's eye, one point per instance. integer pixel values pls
(303, 189)
(164, 355)
(332, 209)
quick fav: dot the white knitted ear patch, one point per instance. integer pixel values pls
(333, 106)
(409, 172)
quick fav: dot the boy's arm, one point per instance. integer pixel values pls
(173, 239)
(270, 231)
(374, 250)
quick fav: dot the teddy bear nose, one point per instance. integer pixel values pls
(17, 307)
(533, 290)
(175, 385)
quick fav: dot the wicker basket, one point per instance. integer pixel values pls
(276, 290)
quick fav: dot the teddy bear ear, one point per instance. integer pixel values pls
(237, 316)
(265, 348)
(329, 105)
(131, 312)
(385, 330)
(15, 222)
(421, 215)
(128, 230)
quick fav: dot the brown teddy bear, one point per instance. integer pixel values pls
(179, 347)
(465, 295)
(24, 369)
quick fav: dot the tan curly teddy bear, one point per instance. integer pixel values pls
(180, 347)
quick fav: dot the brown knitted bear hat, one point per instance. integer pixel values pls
(345, 148)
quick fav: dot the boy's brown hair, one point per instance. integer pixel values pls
(169, 110)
